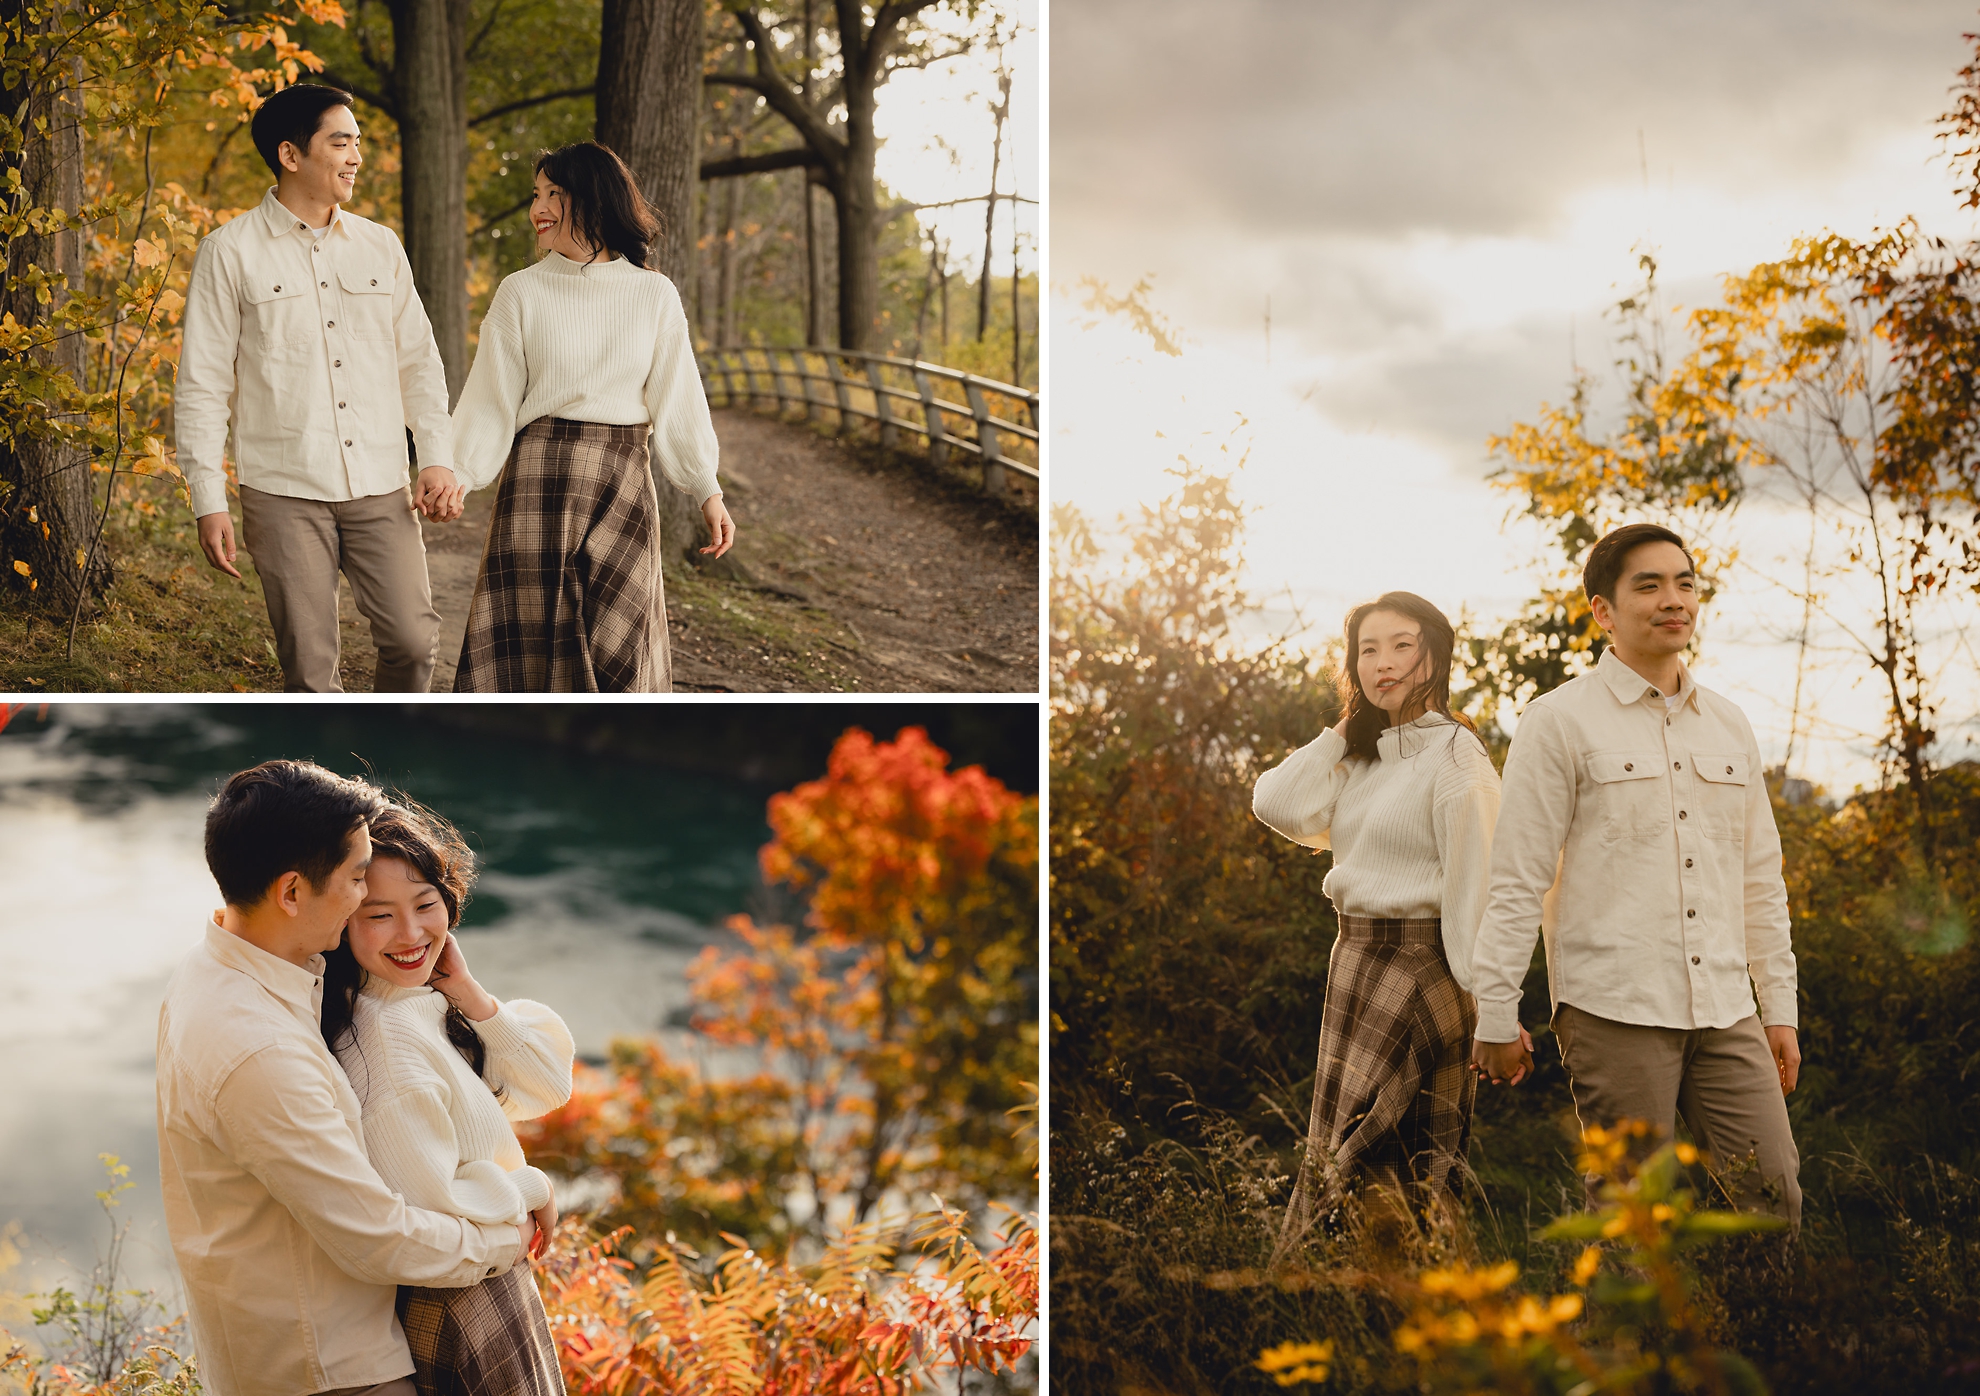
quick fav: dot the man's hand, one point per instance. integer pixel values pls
(1787, 1056)
(216, 540)
(438, 495)
(527, 1230)
(721, 528)
(1504, 1063)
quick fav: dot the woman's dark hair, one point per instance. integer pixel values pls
(1603, 569)
(279, 817)
(1365, 721)
(602, 199)
(295, 115)
(435, 851)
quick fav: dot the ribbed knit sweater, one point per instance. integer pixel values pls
(1411, 831)
(434, 1130)
(590, 342)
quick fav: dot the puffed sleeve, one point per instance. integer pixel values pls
(1465, 809)
(485, 418)
(1297, 797)
(684, 443)
(530, 1052)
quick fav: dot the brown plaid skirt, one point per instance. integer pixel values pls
(569, 597)
(490, 1339)
(1391, 1095)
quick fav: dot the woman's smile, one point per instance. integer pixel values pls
(414, 958)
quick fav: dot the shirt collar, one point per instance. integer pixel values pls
(1631, 687)
(279, 222)
(560, 265)
(301, 989)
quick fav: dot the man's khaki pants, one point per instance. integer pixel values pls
(299, 546)
(1722, 1080)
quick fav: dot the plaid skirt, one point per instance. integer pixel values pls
(490, 1339)
(1391, 1094)
(569, 599)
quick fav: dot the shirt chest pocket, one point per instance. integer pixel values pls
(367, 302)
(284, 320)
(1722, 792)
(1630, 801)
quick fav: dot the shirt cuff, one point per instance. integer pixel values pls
(504, 1032)
(209, 497)
(1498, 1022)
(1779, 1010)
(507, 1247)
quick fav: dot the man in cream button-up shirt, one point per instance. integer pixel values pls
(289, 1243)
(305, 334)
(1635, 829)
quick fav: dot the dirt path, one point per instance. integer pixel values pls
(856, 571)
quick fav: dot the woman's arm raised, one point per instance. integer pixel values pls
(1297, 796)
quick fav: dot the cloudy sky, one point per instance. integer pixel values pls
(1437, 200)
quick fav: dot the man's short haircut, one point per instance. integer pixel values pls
(1603, 569)
(283, 816)
(295, 115)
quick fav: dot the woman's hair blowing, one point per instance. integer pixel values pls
(602, 199)
(1365, 721)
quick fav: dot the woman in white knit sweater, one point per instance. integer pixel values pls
(441, 1069)
(1405, 796)
(583, 359)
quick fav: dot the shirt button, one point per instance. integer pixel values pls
(1677, 765)
(374, 281)
(336, 363)
(278, 288)
(1694, 959)
(340, 405)
(1681, 814)
(1687, 862)
(1729, 770)
(1688, 913)
(323, 283)
(333, 324)
(347, 443)
(1629, 765)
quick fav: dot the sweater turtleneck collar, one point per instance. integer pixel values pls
(560, 265)
(1405, 741)
(376, 987)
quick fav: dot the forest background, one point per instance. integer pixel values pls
(1189, 944)
(760, 135)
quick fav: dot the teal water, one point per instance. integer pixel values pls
(602, 877)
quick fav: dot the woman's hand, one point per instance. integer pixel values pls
(721, 528)
(546, 1222)
(451, 977)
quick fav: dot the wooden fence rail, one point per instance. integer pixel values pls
(869, 388)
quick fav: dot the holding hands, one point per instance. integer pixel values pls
(438, 495)
(1507, 1063)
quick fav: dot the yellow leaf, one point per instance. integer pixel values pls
(22, 568)
(82, 559)
(148, 253)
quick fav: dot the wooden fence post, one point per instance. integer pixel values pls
(986, 441)
(882, 407)
(777, 382)
(846, 423)
(802, 358)
(931, 416)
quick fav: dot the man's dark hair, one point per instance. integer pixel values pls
(295, 115)
(602, 199)
(1603, 569)
(283, 816)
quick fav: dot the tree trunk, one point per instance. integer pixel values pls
(46, 516)
(725, 285)
(429, 81)
(814, 269)
(649, 111)
(1002, 112)
(859, 218)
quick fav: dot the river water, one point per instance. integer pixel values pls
(601, 879)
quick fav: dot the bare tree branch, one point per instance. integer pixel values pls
(801, 157)
(536, 101)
